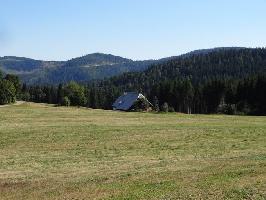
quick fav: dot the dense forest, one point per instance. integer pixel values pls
(231, 81)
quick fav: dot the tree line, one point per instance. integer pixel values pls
(229, 96)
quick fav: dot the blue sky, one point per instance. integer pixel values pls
(137, 29)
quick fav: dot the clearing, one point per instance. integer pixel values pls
(70, 153)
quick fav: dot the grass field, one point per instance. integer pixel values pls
(69, 153)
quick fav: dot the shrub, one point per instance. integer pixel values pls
(75, 93)
(171, 109)
(66, 102)
(7, 92)
(229, 109)
(165, 107)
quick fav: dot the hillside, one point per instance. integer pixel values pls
(200, 82)
(202, 65)
(69, 153)
(20, 65)
(86, 68)
(99, 66)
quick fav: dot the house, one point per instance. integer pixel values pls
(132, 101)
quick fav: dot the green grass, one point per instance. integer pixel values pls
(69, 153)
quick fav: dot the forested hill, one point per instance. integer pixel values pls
(20, 65)
(220, 63)
(199, 65)
(96, 59)
(86, 68)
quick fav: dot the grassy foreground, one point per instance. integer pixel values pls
(71, 153)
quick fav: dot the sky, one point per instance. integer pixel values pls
(136, 29)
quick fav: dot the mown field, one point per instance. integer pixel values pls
(69, 153)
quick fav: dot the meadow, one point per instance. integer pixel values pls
(52, 153)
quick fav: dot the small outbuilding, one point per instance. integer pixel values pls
(132, 101)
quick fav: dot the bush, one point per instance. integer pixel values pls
(7, 92)
(171, 109)
(25, 96)
(15, 80)
(66, 102)
(156, 106)
(75, 93)
(229, 109)
(165, 107)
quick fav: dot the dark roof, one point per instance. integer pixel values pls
(126, 101)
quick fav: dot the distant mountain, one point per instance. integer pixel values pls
(97, 59)
(98, 66)
(86, 68)
(25, 65)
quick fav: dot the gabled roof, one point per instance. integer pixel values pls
(126, 101)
